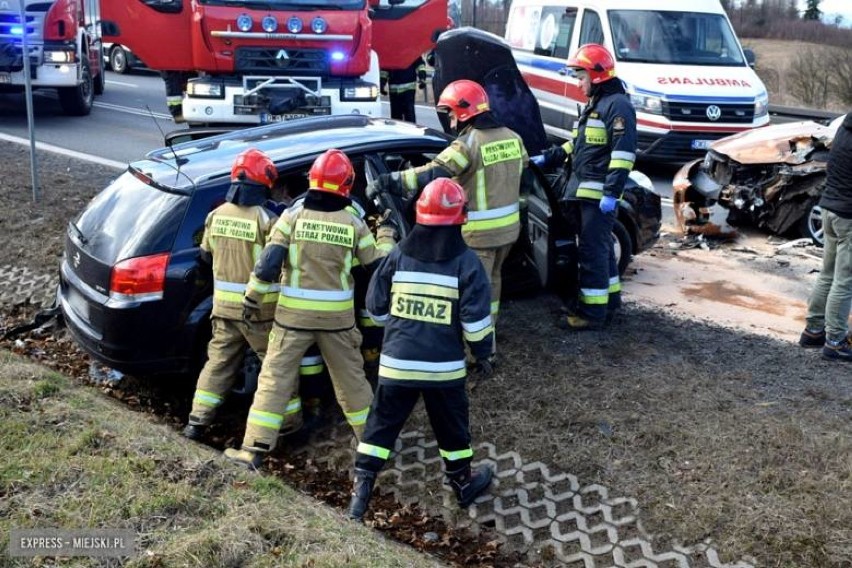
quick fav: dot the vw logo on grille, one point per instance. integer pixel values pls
(714, 113)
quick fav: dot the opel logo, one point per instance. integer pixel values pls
(76, 259)
(714, 113)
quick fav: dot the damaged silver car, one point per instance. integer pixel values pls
(771, 177)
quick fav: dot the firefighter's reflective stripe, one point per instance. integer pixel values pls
(495, 307)
(257, 285)
(365, 318)
(404, 369)
(595, 132)
(384, 247)
(283, 227)
(421, 308)
(568, 146)
(402, 87)
(478, 330)
(379, 319)
(481, 191)
(311, 365)
(357, 418)
(575, 129)
(375, 451)
(450, 154)
(590, 189)
(233, 228)
(614, 285)
(317, 300)
(208, 398)
(293, 252)
(366, 241)
(457, 454)
(493, 218)
(594, 295)
(409, 179)
(325, 232)
(425, 289)
(622, 160)
(234, 292)
(426, 278)
(347, 269)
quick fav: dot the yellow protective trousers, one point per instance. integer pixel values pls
(278, 382)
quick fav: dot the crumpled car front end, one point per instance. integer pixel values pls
(771, 177)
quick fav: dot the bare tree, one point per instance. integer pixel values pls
(812, 12)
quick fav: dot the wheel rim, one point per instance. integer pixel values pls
(86, 89)
(119, 61)
(815, 224)
(617, 247)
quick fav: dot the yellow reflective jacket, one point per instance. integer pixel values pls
(235, 236)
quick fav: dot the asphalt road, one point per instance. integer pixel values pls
(130, 117)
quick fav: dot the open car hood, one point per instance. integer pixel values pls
(789, 143)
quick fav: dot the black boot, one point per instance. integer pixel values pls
(194, 431)
(468, 485)
(362, 490)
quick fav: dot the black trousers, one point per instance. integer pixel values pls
(597, 262)
(402, 105)
(447, 408)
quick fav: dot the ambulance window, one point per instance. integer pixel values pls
(556, 31)
(591, 30)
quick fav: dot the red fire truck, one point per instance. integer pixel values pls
(64, 48)
(261, 61)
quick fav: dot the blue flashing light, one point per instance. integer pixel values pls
(17, 30)
(338, 56)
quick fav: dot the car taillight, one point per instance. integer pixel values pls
(140, 279)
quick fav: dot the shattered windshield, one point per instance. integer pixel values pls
(674, 38)
(289, 4)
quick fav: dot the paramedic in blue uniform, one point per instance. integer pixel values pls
(602, 155)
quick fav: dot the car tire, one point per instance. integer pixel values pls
(78, 101)
(623, 246)
(118, 60)
(810, 226)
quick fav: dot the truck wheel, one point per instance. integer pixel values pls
(78, 101)
(623, 246)
(810, 226)
(118, 60)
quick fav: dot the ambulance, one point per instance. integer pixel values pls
(683, 67)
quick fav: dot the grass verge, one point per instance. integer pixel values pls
(75, 460)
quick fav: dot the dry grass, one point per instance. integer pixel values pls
(781, 62)
(73, 459)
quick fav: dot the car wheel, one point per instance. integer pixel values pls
(78, 101)
(118, 60)
(811, 224)
(623, 246)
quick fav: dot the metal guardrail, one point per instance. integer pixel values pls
(794, 113)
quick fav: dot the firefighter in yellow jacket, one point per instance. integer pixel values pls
(312, 247)
(234, 235)
(487, 160)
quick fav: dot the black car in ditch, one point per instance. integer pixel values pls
(135, 295)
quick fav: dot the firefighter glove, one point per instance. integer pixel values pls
(385, 183)
(608, 204)
(387, 228)
(538, 160)
(251, 310)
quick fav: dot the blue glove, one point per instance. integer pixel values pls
(608, 204)
(538, 160)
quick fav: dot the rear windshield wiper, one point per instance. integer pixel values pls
(80, 236)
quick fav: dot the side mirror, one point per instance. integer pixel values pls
(110, 28)
(750, 57)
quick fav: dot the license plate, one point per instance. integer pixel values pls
(701, 144)
(5, 79)
(78, 303)
(282, 117)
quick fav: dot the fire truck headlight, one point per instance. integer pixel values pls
(319, 25)
(244, 22)
(269, 24)
(360, 92)
(59, 56)
(205, 90)
(294, 25)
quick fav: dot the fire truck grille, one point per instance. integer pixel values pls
(279, 61)
(708, 112)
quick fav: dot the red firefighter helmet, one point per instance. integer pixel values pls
(463, 98)
(442, 202)
(596, 60)
(254, 165)
(332, 172)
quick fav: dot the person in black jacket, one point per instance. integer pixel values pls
(602, 155)
(432, 294)
(828, 308)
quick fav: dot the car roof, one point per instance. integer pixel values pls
(288, 143)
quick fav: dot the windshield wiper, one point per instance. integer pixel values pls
(80, 236)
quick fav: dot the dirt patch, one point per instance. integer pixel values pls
(696, 401)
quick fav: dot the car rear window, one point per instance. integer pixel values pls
(130, 218)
